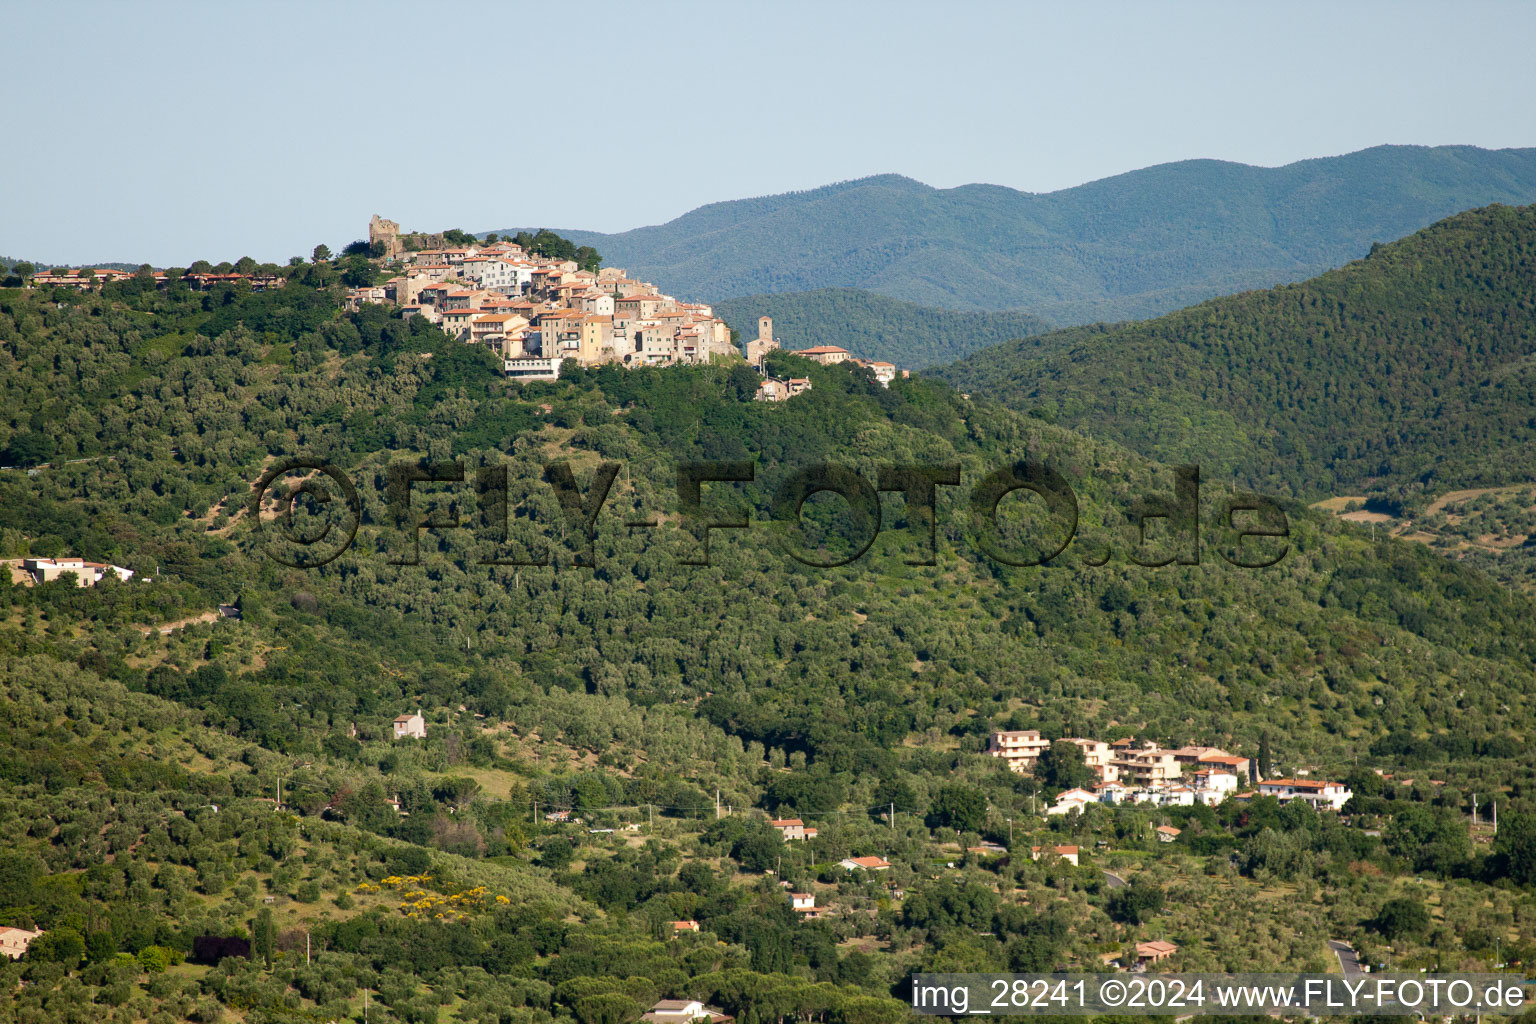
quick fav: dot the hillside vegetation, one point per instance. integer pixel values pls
(1134, 245)
(876, 327)
(677, 705)
(1405, 374)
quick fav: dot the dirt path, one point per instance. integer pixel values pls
(167, 628)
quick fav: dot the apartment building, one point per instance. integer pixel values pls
(1146, 767)
(1020, 748)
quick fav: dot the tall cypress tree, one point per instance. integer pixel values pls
(263, 936)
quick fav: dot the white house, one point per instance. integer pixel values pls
(1112, 792)
(410, 726)
(864, 863)
(1066, 853)
(1072, 800)
(1175, 796)
(1321, 795)
(1212, 787)
(680, 1011)
(509, 277)
(532, 367)
(792, 829)
(87, 574)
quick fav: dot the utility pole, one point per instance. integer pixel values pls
(893, 815)
(717, 805)
(1474, 810)
(306, 947)
(1010, 832)
(279, 792)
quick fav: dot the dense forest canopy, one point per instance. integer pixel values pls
(1406, 374)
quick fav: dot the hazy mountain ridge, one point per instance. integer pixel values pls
(1134, 244)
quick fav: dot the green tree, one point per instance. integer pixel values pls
(58, 945)
(358, 272)
(1134, 903)
(264, 936)
(1401, 916)
(958, 806)
(556, 854)
(1062, 765)
(28, 448)
(1516, 845)
(321, 254)
(760, 848)
(155, 959)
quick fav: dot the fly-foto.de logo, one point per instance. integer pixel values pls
(1254, 529)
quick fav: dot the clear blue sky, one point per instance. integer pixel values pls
(169, 132)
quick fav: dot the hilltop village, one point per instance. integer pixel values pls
(537, 312)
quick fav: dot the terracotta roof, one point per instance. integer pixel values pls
(1297, 783)
(1156, 946)
(869, 862)
(1060, 851)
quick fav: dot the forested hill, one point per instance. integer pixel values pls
(180, 399)
(1411, 371)
(1134, 245)
(876, 327)
(640, 693)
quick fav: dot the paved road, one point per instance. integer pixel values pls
(1114, 880)
(1349, 960)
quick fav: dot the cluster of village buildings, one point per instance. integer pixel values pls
(1131, 772)
(536, 313)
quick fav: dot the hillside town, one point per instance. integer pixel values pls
(536, 313)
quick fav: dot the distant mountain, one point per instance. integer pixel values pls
(1408, 372)
(876, 327)
(1133, 245)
